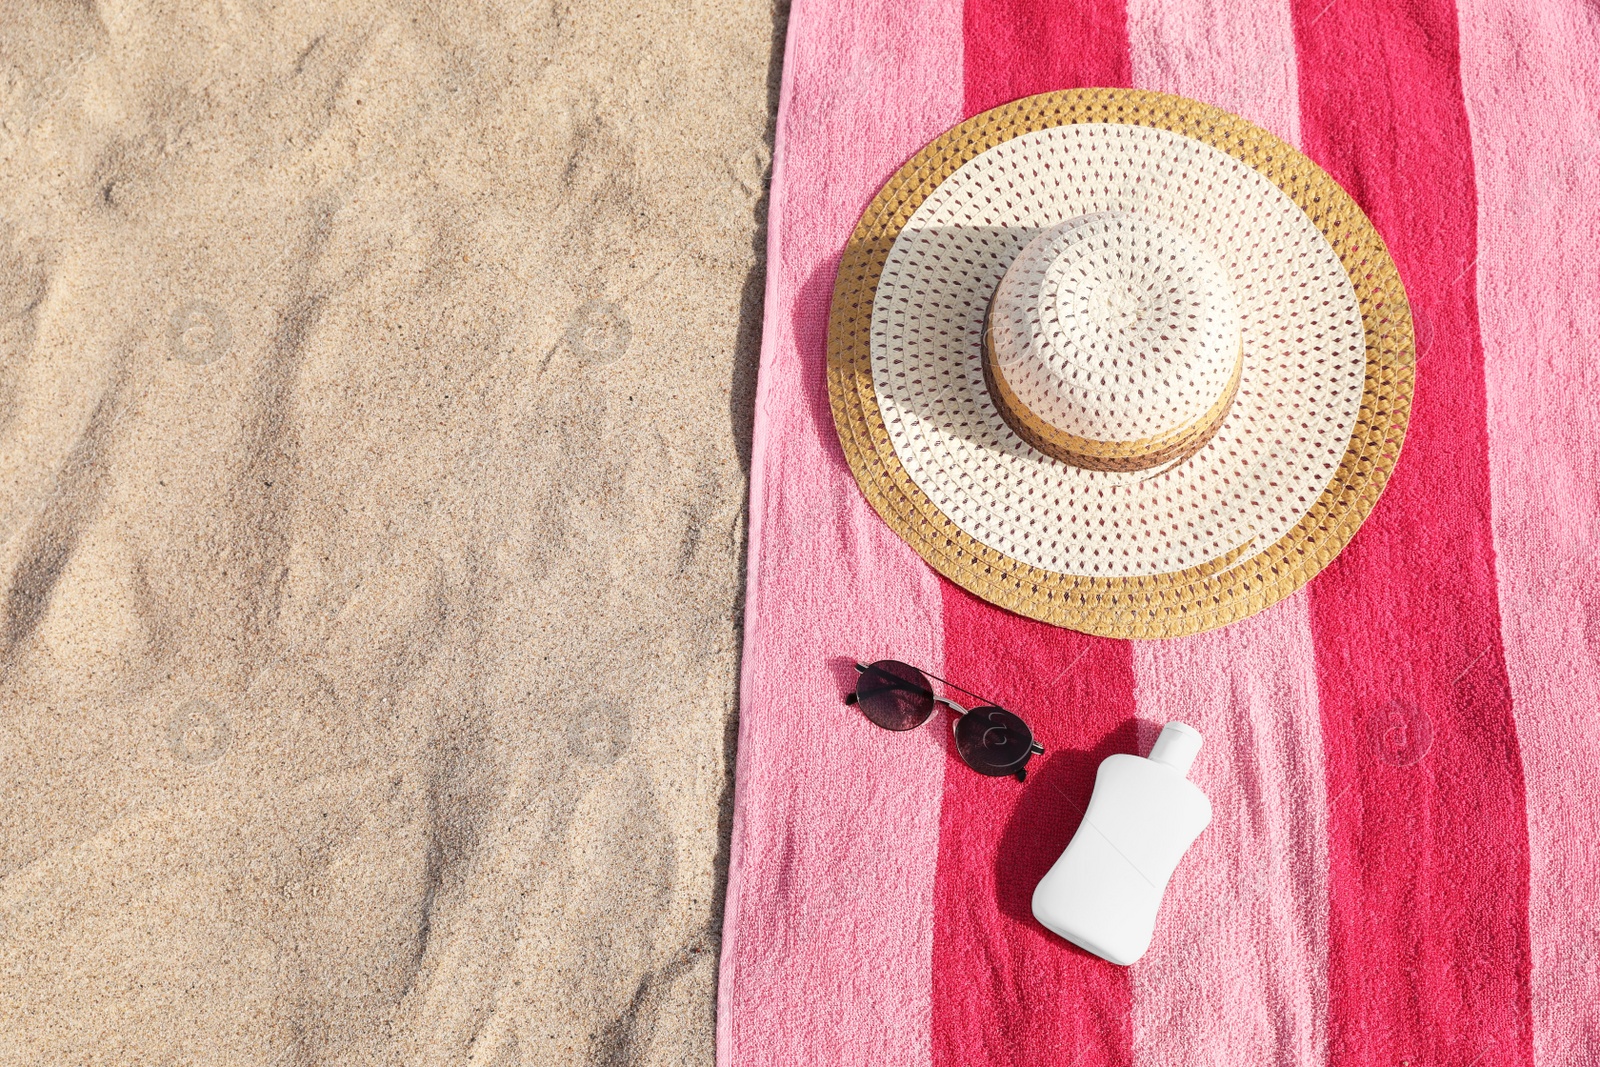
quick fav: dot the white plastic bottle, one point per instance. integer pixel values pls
(1104, 891)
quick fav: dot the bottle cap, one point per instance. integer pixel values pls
(1177, 747)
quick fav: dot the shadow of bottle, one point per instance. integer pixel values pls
(1047, 815)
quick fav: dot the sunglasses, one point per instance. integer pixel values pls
(990, 740)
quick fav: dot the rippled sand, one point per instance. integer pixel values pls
(374, 408)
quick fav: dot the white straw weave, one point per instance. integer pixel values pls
(1228, 243)
(1116, 327)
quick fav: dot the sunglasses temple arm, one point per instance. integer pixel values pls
(957, 708)
(980, 696)
(906, 687)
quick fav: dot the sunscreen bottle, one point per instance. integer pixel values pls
(1104, 891)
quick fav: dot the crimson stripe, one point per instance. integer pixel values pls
(1020, 47)
(1004, 990)
(1428, 844)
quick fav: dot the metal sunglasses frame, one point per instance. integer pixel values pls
(1034, 748)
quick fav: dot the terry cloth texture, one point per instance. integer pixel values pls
(1403, 864)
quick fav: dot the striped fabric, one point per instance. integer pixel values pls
(1404, 865)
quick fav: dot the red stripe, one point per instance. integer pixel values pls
(1428, 845)
(1004, 990)
(1017, 48)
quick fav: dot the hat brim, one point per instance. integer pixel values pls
(1217, 591)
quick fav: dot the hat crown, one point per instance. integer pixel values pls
(1118, 334)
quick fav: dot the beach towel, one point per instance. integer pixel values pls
(1403, 866)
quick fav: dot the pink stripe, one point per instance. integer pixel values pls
(1237, 56)
(1248, 908)
(1533, 96)
(829, 922)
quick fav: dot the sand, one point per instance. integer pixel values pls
(374, 419)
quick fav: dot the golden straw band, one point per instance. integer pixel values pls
(1173, 446)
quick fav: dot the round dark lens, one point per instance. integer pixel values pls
(894, 695)
(993, 741)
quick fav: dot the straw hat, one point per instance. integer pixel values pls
(1119, 361)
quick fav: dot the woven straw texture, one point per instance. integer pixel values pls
(1238, 582)
(1100, 317)
(1092, 454)
(1119, 355)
